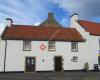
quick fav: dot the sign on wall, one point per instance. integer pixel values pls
(42, 47)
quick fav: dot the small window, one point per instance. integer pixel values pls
(74, 47)
(27, 45)
(51, 46)
(74, 59)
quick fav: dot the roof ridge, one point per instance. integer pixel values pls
(16, 25)
(89, 21)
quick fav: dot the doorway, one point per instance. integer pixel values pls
(58, 64)
(30, 64)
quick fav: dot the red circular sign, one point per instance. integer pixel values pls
(42, 47)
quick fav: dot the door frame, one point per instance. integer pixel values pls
(61, 63)
(25, 64)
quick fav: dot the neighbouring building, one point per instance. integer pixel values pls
(91, 31)
(49, 46)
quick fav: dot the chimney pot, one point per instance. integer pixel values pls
(9, 22)
(50, 15)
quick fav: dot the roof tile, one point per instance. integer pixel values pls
(23, 32)
(92, 27)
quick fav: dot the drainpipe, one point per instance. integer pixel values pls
(5, 55)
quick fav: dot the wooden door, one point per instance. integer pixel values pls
(30, 64)
(58, 63)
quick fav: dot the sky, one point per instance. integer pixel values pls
(33, 12)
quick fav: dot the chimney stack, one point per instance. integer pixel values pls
(9, 22)
(74, 19)
(50, 15)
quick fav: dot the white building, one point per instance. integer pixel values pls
(47, 47)
(91, 31)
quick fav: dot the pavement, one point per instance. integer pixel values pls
(51, 76)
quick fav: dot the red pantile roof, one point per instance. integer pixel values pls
(92, 27)
(23, 32)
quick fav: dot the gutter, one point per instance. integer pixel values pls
(5, 55)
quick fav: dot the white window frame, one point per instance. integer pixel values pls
(74, 59)
(74, 46)
(51, 45)
(27, 45)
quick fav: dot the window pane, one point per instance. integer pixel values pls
(51, 45)
(32, 62)
(28, 61)
(74, 46)
(75, 59)
(27, 45)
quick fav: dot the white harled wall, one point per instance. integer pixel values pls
(88, 51)
(94, 50)
(91, 40)
(2, 52)
(16, 56)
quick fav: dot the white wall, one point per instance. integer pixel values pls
(87, 52)
(76, 25)
(92, 41)
(94, 50)
(2, 52)
(16, 56)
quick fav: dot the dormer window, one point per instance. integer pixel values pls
(74, 46)
(27, 45)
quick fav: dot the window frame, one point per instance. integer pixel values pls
(75, 59)
(75, 44)
(24, 45)
(51, 46)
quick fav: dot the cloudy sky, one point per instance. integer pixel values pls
(31, 12)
